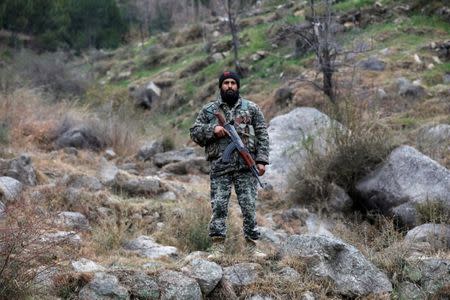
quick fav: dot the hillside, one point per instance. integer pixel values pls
(104, 196)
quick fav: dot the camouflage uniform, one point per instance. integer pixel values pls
(250, 124)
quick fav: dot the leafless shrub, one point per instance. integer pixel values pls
(23, 254)
(53, 73)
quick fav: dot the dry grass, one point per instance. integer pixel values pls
(354, 152)
(273, 285)
(24, 255)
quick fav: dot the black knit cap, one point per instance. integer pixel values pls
(229, 74)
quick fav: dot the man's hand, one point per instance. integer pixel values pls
(261, 169)
(219, 131)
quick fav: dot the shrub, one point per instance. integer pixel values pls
(53, 73)
(23, 253)
(356, 150)
(187, 228)
(433, 211)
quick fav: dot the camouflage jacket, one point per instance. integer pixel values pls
(249, 123)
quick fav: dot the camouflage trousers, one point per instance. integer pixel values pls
(245, 188)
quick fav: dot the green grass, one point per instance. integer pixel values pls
(352, 4)
(434, 76)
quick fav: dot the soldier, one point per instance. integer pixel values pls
(249, 123)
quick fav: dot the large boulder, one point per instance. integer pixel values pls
(438, 235)
(242, 274)
(432, 275)
(145, 246)
(137, 185)
(73, 220)
(145, 96)
(81, 181)
(148, 150)
(10, 188)
(86, 265)
(331, 258)
(175, 285)
(196, 165)
(20, 168)
(80, 137)
(408, 89)
(290, 136)
(103, 287)
(208, 274)
(162, 159)
(407, 176)
(434, 140)
(372, 64)
(139, 284)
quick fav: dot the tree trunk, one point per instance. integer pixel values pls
(235, 38)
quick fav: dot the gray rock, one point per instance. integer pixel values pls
(73, 220)
(80, 138)
(208, 274)
(162, 159)
(153, 265)
(145, 246)
(283, 95)
(140, 285)
(289, 274)
(406, 214)
(10, 189)
(79, 181)
(269, 235)
(446, 78)
(105, 287)
(145, 96)
(435, 274)
(408, 89)
(138, 186)
(217, 56)
(438, 235)
(168, 196)
(107, 173)
(307, 296)
(44, 278)
(290, 136)
(372, 64)
(196, 165)
(110, 154)
(434, 140)
(150, 149)
(331, 258)
(71, 151)
(86, 265)
(406, 176)
(242, 274)
(20, 168)
(339, 200)
(410, 291)
(176, 286)
(60, 237)
(260, 297)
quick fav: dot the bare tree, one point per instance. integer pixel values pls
(320, 38)
(231, 8)
(317, 35)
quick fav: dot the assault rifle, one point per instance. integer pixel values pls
(237, 144)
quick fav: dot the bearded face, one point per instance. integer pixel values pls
(229, 92)
(229, 96)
